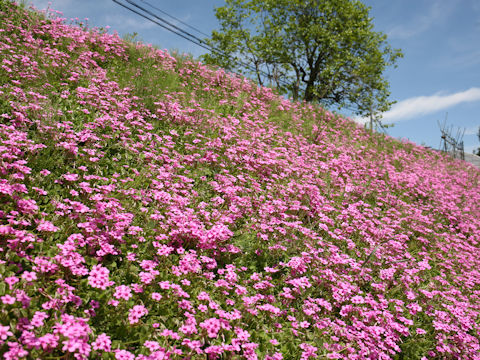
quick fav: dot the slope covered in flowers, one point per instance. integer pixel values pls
(154, 208)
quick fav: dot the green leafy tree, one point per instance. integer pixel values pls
(315, 50)
(477, 152)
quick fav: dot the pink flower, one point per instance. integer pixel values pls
(5, 332)
(276, 356)
(48, 341)
(114, 303)
(136, 313)
(102, 342)
(304, 324)
(76, 331)
(124, 355)
(212, 326)
(387, 274)
(309, 351)
(297, 264)
(165, 285)
(98, 277)
(70, 177)
(47, 226)
(151, 345)
(137, 288)
(156, 296)
(29, 276)
(8, 300)
(40, 191)
(38, 319)
(203, 296)
(122, 292)
(358, 299)
(11, 280)
(27, 206)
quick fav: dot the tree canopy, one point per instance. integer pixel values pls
(316, 50)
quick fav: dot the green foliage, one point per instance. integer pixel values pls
(477, 152)
(125, 176)
(325, 51)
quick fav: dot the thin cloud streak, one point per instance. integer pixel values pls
(472, 130)
(423, 22)
(422, 105)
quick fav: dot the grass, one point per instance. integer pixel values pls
(237, 223)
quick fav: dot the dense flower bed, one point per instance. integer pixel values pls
(154, 208)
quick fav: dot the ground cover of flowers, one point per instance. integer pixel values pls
(154, 208)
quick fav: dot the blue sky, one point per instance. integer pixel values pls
(439, 74)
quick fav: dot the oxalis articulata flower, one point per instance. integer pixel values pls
(155, 208)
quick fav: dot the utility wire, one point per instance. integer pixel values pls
(196, 39)
(173, 17)
(185, 35)
(161, 25)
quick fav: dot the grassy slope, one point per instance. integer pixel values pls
(152, 207)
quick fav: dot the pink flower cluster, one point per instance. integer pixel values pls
(98, 277)
(135, 313)
(155, 208)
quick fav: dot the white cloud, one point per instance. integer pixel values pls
(422, 105)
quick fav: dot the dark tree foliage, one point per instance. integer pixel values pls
(477, 152)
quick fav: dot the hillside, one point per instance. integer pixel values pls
(156, 208)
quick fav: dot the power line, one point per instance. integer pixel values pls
(186, 35)
(159, 24)
(196, 40)
(173, 17)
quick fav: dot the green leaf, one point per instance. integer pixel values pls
(318, 51)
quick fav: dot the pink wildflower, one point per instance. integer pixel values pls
(29, 276)
(122, 292)
(387, 274)
(8, 300)
(5, 332)
(47, 226)
(38, 319)
(276, 356)
(11, 280)
(102, 342)
(136, 313)
(358, 299)
(212, 326)
(309, 351)
(156, 296)
(151, 345)
(27, 206)
(48, 341)
(70, 177)
(98, 277)
(124, 355)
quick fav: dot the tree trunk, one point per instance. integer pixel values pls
(309, 92)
